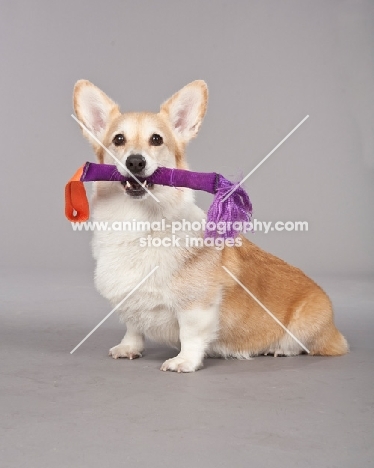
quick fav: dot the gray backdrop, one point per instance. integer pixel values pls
(267, 64)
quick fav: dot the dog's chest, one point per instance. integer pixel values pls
(121, 264)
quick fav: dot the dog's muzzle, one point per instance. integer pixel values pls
(136, 163)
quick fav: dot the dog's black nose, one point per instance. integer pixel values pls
(135, 163)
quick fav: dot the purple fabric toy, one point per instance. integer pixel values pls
(231, 203)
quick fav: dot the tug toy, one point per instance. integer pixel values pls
(231, 204)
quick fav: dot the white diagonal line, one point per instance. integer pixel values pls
(265, 158)
(116, 307)
(266, 309)
(113, 156)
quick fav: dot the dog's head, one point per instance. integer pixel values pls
(141, 142)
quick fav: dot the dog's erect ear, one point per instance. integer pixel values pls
(186, 109)
(94, 109)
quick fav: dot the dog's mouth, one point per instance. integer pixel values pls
(136, 189)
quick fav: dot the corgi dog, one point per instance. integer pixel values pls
(190, 302)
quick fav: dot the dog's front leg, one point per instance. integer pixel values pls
(197, 328)
(131, 346)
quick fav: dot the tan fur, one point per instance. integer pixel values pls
(114, 112)
(165, 108)
(299, 303)
(244, 328)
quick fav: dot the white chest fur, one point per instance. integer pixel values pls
(122, 263)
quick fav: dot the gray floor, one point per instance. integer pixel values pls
(87, 410)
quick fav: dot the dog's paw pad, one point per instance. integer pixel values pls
(179, 364)
(124, 351)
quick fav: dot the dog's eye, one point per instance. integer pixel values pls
(156, 140)
(119, 140)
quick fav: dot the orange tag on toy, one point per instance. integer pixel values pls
(76, 203)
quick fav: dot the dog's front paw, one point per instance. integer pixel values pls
(180, 364)
(124, 351)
